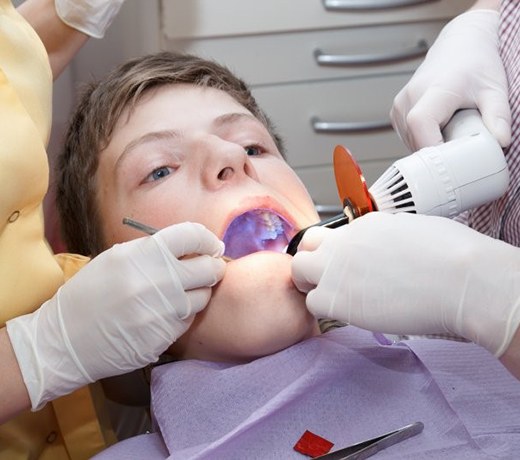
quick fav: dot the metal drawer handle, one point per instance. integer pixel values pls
(357, 59)
(345, 5)
(320, 126)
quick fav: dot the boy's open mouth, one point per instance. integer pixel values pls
(256, 230)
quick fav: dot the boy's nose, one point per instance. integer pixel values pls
(225, 162)
(226, 173)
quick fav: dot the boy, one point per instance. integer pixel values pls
(161, 159)
(170, 138)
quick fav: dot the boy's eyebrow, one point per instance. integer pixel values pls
(228, 118)
(145, 138)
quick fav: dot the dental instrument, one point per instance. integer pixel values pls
(466, 171)
(139, 226)
(372, 446)
(150, 230)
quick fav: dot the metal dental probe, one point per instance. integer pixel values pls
(151, 230)
(139, 226)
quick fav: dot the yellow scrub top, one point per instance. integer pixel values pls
(29, 273)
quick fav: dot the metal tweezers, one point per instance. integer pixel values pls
(368, 448)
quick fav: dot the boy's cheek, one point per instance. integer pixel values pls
(257, 283)
(260, 266)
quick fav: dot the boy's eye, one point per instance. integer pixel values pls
(159, 173)
(253, 150)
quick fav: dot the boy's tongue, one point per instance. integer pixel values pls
(256, 230)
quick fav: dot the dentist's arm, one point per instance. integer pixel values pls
(14, 397)
(61, 41)
(65, 25)
(117, 314)
(413, 274)
(452, 76)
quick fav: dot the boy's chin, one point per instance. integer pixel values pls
(271, 313)
(254, 311)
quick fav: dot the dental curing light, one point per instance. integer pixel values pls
(466, 171)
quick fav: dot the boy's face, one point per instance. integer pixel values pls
(186, 153)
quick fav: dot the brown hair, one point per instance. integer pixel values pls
(100, 107)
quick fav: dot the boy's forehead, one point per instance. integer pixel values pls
(177, 109)
(200, 99)
(185, 106)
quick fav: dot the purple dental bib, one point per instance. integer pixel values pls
(343, 386)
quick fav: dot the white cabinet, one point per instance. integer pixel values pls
(212, 18)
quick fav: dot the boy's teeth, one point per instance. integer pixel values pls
(273, 225)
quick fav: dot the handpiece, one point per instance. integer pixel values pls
(469, 169)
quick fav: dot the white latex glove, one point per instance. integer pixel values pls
(92, 17)
(462, 69)
(413, 274)
(118, 313)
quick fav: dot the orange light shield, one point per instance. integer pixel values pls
(352, 188)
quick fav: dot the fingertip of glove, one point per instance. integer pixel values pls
(198, 300)
(221, 248)
(313, 238)
(220, 271)
(501, 130)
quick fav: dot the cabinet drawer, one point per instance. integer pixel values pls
(277, 58)
(211, 18)
(365, 101)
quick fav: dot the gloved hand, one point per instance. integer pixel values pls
(118, 313)
(462, 69)
(412, 274)
(92, 17)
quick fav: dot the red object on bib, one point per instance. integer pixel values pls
(312, 445)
